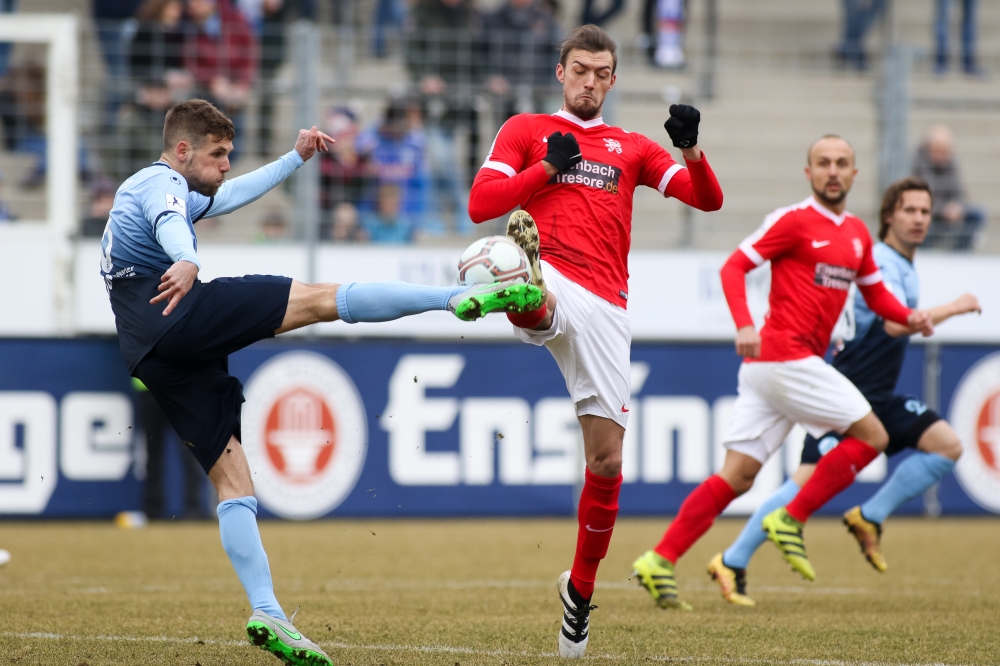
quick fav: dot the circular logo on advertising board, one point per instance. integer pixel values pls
(304, 433)
(975, 415)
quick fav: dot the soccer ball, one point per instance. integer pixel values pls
(493, 259)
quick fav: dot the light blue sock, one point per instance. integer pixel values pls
(752, 537)
(913, 476)
(241, 540)
(385, 301)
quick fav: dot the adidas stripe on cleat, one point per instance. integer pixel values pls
(481, 299)
(656, 574)
(284, 641)
(869, 536)
(575, 631)
(732, 581)
(786, 533)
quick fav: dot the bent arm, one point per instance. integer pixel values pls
(247, 188)
(495, 193)
(696, 186)
(734, 286)
(883, 303)
(964, 304)
(174, 236)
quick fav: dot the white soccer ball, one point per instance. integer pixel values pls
(493, 259)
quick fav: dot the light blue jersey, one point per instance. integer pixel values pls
(873, 359)
(150, 228)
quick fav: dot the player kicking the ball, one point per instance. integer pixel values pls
(574, 176)
(176, 333)
(816, 250)
(872, 360)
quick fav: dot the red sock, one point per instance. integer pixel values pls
(697, 514)
(834, 472)
(598, 510)
(529, 319)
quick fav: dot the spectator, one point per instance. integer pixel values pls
(102, 200)
(346, 226)
(114, 25)
(158, 77)
(592, 15)
(273, 228)
(954, 223)
(445, 55)
(268, 18)
(345, 173)
(859, 16)
(397, 155)
(970, 64)
(389, 18)
(6, 214)
(523, 41)
(387, 223)
(221, 53)
(22, 113)
(6, 7)
(669, 53)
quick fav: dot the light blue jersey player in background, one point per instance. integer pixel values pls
(176, 332)
(872, 359)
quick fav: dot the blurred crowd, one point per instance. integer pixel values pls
(406, 174)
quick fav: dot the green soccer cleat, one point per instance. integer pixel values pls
(481, 299)
(283, 640)
(786, 533)
(656, 574)
(521, 229)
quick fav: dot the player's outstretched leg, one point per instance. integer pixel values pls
(835, 471)
(284, 641)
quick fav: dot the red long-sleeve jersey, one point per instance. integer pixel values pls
(584, 216)
(815, 255)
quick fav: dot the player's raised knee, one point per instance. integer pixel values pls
(941, 439)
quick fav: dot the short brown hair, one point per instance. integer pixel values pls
(893, 197)
(194, 121)
(592, 39)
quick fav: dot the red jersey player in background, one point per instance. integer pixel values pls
(575, 176)
(816, 250)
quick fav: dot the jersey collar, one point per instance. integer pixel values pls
(585, 124)
(827, 213)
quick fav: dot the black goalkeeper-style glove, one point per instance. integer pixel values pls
(564, 152)
(682, 126)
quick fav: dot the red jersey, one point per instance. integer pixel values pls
(584, 215)
(815, 255)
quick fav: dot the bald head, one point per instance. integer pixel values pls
(830, 144)
(940, 143)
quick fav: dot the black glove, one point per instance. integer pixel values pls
(682, 126)
(564, 152)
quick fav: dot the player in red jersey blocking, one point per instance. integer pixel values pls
(574, 176)
(816, 250)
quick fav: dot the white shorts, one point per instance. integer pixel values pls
(591, 340)
(773, 397)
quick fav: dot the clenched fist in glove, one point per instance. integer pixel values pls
(564, 152)
(682, 126)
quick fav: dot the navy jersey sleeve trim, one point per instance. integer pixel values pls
(160, 217)
(211, 200)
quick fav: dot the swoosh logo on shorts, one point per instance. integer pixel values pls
(819, 244)
(591, 529)
(295, 636)
(624, 411)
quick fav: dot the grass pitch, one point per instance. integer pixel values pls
(483, 592)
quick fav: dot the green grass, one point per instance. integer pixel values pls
(483, 592)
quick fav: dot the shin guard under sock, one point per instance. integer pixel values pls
(834, 472)
(697, 514)
(597, 514)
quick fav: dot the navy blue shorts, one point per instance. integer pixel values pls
(905, 418)
(188, 369)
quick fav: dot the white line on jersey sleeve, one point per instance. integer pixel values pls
(501, 167)
(747, 248)
(769, 221)
(870, 279)
(667, 175)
